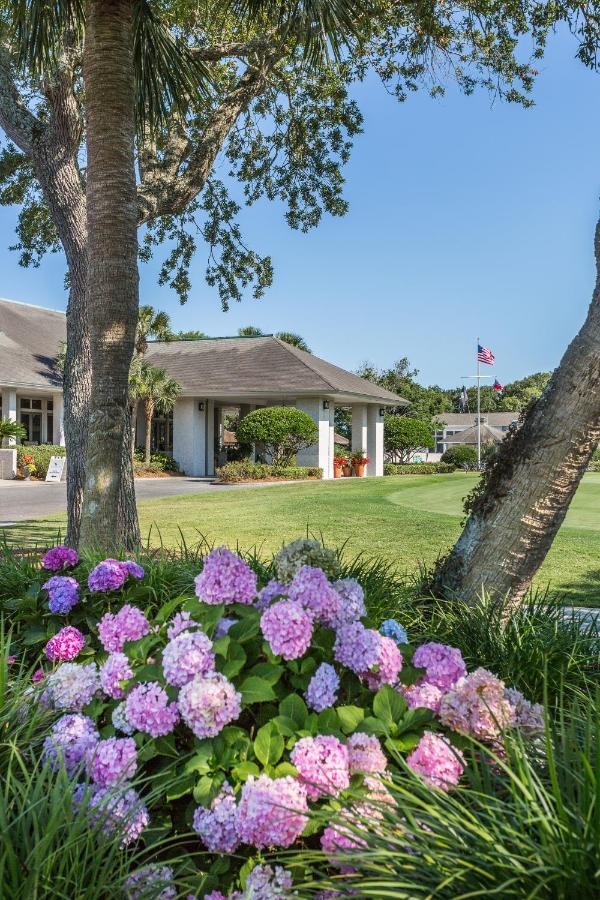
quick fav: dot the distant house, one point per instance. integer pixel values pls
(461, 428)
(215, 374)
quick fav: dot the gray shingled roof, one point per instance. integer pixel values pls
(215, 367)
(466, 420)
(29, 341)
(469, 436)
(218, 367)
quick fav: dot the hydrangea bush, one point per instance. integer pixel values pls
(248, 706)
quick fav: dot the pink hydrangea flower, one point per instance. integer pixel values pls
(357, 647)
(322, 688)
(322, 762)
(112, 761)
(225, 578)
(148, 709)
(388, 665)
(38, 676)
(187, 655)
(58, 558)
(272, 811)
(66, 645)
(444, 665)
(288, 628)
(339, 839)
(208, 703)
(528, 717)
(112, 672)
(365, 754)
(312, 590)
(217, 825)
(477, 706)
(69, 741)
(181, 621)
(129, 624)
(437, 761)
(423, 695)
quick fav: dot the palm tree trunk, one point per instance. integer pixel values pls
(525, 495)
(112, 260)
(149, 414)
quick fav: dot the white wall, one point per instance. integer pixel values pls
(58, 437)
(374, 440)
(189, 436)
(9, 408)
(320, 454)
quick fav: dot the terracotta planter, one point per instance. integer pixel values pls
(347, 470)
(337, 471)
(359, 469)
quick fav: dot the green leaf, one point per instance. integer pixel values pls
(147, 673)
(207, 788)
(403, 744)
(235, 662)
(256, 690)
(33, 634)
(284, 725)
(245, 630)
(371, 725)
(221, 647)
(167, 609)
(181, 787)
(199, 762)
(285, 768)
(268, 745)
(166, 746)
(350, 717)
(268, 671)
(206, 615)
(244, 770)
(328, 722)
(388, 705)
(294, 707)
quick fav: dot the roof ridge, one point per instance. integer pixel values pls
(296, 350)
(60, 312)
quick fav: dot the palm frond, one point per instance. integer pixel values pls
(40, 27)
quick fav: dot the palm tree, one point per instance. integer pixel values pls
(10, 429)
(250, 331)
(157, 391)
(295, 340)
(152, 323)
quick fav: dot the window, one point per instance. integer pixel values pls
(162, 433)
(30, 416)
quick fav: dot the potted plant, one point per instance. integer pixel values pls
(28, 466)
(359, 461)
(339, 461)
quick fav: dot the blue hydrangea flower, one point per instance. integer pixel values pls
(394, 630)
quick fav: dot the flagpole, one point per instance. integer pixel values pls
(478, 408)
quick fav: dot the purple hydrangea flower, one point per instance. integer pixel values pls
(352, 601)
(357, 647)
(111, 574)
(134, 569)
(388, 666)
(394, 630)
(444, 665)
(129, 624)
(148, 709)
(63, 594)
(223, 626)
(187, 655)
(288, 628)
(208, 703)
(271, 590)
(114, 810)
(365, 754)
(66, 645)
(152, 881)
(71, 737)
(71, 686)
(181, 621)
(112, 761)
(266, 883)
(312, 590)
(225, 578)
(217, 825)
(112, 672)
(528, 717)
(322, 688)
(322, 762)
(58, 558)
(272, 811)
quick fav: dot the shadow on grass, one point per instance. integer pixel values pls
(34, 534)
(585, 591)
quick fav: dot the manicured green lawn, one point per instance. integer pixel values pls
(408, 520)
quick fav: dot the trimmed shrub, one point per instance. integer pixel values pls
(41, 456)
(284, 430)
(159, 462)
(246, 470)
(461, 455)
(405, 436)
(439, 468)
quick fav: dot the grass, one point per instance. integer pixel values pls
(407, 521)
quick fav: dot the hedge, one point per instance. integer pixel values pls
(246, 470)
(159, 462)
(432, 468)
(41, 456)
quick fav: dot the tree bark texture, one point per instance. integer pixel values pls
(113, 294)
(148, 415)
(526, 493)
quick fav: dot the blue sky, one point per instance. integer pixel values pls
(466, 218)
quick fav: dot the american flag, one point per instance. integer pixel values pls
(485, 355)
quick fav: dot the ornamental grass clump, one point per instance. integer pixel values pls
(233, 713)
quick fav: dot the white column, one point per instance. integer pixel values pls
(374, 441)
(359, 427)
(58, 436)
(9, 408)
(209, 439)
(320, 454)
(189, 435)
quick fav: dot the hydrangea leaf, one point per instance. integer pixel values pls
(388, 705)
(350, 717)
(256, 690)
(268, 745)
(294, 708)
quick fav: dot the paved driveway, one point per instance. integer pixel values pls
(21, 500)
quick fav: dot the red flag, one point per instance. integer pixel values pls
(497, 386)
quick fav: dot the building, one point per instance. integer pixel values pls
(215, 374)
(461, 428)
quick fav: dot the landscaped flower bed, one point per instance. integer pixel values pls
(250, 707)
(246, 470)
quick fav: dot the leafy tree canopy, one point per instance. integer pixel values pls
(284, 430)
(404, 436)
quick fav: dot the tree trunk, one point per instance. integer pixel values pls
(128, 528)
(112, 261)
(149, 415)
(524, 496)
